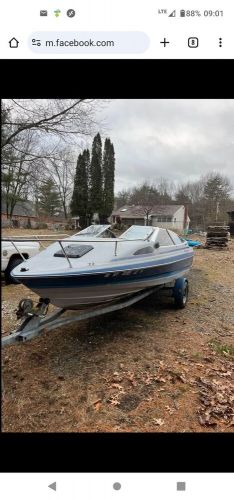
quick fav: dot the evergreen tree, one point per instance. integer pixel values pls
(217, 188)
(216, 191)
(96, 181)
(48, 200)
(108, 179)
(79, 202)
(86, 155)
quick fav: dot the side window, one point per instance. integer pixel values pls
(177, 240)
(144, 251)
(164, 239)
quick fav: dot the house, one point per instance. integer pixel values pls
(166, 216)
(23, 214)
(13, 43)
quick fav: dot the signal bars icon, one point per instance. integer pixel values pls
(173, 14)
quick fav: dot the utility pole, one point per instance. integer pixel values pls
(217, 211)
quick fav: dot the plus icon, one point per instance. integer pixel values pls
(165, 42)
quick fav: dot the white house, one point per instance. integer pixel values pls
(166, 216)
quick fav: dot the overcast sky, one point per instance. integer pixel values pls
(176, 139)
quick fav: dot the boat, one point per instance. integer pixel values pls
(87, 270)
(96, 230)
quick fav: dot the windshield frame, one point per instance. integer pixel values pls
(125, 235)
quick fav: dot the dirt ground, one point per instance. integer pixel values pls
(148, 368)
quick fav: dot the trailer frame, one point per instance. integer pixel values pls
(35, 319)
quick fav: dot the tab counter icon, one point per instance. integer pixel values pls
(193, 42)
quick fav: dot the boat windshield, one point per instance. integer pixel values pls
(93, 230)
(137, 232)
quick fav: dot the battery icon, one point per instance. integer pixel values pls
(182, 13)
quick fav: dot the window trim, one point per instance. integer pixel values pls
(170, 237)
(158, 236)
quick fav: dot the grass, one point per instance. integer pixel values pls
(197, 356)
(220, 348)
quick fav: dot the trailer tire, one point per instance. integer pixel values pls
(12, 264)
(180, 292)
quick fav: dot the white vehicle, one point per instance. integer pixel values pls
(12, 258)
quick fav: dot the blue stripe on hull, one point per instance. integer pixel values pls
(105, 278)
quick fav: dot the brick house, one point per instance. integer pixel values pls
(24, 215)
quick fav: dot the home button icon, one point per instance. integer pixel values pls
(13, 43)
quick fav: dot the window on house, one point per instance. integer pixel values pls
(163, 238)
(163, 218)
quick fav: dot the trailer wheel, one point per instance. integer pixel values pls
(180, 292)
(12, 264)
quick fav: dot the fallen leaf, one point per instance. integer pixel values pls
(98, 406)
(169, 409)
(160, 379)
(130, 377)
(96, 401)
(158, 421)
(207, 422)
(113, 401)
(117, 386)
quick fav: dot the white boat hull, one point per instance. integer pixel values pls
(98, 271)
(78, 298)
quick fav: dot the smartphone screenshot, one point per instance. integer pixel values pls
(117, 224)
(108, 29)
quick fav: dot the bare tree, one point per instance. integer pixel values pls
(166, 190)
(207, 198)
(16, 174)
(34, 142)
(63, 171)
(122, 198)
(59, 117)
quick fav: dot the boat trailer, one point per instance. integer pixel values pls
(35, 319)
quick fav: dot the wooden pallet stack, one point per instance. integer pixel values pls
(217, 237)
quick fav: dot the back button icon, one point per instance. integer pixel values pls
(53, 486)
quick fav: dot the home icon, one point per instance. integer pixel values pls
(13, 43)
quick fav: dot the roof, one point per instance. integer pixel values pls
(139, 211)
(23, 208)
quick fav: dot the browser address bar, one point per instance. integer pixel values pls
(89, 42)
